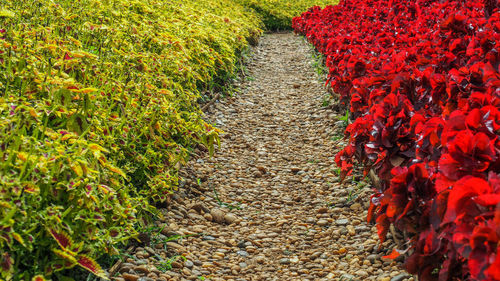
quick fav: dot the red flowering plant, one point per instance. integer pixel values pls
(422, 81)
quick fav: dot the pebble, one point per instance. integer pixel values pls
(188, 264)
(141, 269)
(323, 210)
(322, 222)
(346, 276)
(130, 277)
(351, 230)
(342, 222)
(230, 218)
(208, 217)
(217, 215)
(260, 259)
(285, 261)
(243, 253)
(400, 277)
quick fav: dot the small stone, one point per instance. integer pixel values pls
(130, 277)
(208, 217)
(150, 250)
(230, 218)
(295, 169)
(186, 271)
(322, 210)
(235, 268)
(285, 261)
(260, 259)
(243, 253)
(176, 264)
(355, 207)
(242, 264)
(145, 279)
(208, 238)
(346, 276)
(188, 264)
(175, 246)
(315, 255)
(322, 222)
(400, 277)
(262, 169)
(362, 273)
(197, 207)
(141, 269)
(351, 230)
(342, 251)
(342, 221)
(217, 215)
(241, 244)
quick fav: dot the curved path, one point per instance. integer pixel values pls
(268, 205)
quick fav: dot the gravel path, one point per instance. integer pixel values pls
(268, 205)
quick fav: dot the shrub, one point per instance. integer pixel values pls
(97, 110)
(422, 81)
(278, 14)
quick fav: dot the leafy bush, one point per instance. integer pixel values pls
(422, 80)
(97, 110)
(278, 14)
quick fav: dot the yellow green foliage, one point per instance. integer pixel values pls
(278, 14)
(97, 110)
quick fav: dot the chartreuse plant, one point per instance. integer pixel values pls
(278, 14)
(97, 111)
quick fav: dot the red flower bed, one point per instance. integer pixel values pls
(423, 84)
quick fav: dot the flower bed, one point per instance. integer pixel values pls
(422, 82)
(98, 107)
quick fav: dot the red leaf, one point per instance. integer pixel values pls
(90, 265)
(494, 270)
(6, 262)
(61, 238)
(461, 192)
(393, 255)
(488, 199)
(383, 224)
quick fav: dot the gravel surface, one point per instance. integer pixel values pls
(268, 205)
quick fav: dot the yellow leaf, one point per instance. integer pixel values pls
(33, 113)
(23, 156)
(18, 238)
(77, 168)
(84, 90)
(7, 14)
(95, 147)
(38, 278)
(116, 170)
